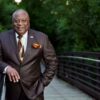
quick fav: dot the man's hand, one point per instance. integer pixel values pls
(12, 74)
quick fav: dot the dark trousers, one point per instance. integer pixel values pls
(24, 97)
(15, 92)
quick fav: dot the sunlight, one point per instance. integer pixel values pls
(18, 1)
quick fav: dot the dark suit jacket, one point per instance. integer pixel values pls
(32, 80)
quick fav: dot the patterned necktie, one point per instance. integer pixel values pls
(20, 49)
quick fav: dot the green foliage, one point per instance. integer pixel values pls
(6, 9)
(1, 28)
(83, 26)
(72, 25)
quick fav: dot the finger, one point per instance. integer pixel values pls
(17, 75)
(14, 78)
(10, 77)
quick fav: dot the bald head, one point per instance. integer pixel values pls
(19, 11)
(21, 23)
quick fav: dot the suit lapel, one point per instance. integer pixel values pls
(13, 44)
(31, 39)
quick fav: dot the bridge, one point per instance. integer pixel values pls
(78, 77)
(61, 90)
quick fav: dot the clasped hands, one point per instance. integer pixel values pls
(12, 74)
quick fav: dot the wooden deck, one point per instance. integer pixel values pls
(60, 90)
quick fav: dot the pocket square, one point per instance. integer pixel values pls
(36, 45)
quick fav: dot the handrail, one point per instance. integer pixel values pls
(82, 70)
(83, 58)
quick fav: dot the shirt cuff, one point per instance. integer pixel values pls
(5, 70)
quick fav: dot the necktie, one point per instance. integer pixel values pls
(20, 49)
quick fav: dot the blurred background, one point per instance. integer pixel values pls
(72, 25)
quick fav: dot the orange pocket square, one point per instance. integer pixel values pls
(36, 45)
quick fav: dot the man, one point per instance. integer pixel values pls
(21, 51)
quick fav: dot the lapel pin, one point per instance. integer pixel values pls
(31, 37)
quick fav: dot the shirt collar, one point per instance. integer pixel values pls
(24, 35)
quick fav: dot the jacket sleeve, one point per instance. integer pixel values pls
(3, 65)
(50, 60)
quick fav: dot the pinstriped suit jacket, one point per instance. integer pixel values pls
(32, 80)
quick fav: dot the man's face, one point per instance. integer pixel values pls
(21, 23)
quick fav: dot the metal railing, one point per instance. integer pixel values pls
(81, 69)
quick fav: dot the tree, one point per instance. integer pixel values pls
(72, 25)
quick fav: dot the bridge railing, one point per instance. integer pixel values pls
(81, 69)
